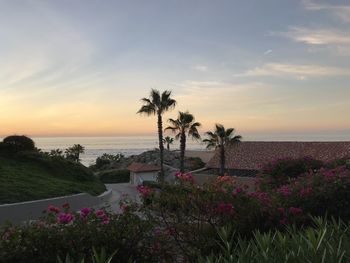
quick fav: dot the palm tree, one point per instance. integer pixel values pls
(73, 153)
(184, 126)
(157, 104)
(168, 140)
(221, 138)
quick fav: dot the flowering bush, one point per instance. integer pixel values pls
(279, 171)
(179, 221)
(63, 232)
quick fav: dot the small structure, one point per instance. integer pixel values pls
(140, 172)
(247, 158)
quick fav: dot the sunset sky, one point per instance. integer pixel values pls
(79, 68)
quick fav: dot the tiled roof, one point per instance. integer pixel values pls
(142, 167)
(253, 155)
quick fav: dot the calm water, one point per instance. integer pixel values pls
(96, 146)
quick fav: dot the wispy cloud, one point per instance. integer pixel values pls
(268, 52)
(316, 36)
(340, 11)
(298, 71)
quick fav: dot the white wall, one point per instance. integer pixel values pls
(138, 178)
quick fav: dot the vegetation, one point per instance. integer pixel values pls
(185, 125)
(219, 139)
(106, 159)
(115, 177)
(168, 140)
(181, 221)
(73, 153)
(19, 143)
(30, 174)
(325, 241)
(157, 104)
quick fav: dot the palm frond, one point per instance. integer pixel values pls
(147, 110)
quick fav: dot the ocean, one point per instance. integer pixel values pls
(96, 146)
(130, 145)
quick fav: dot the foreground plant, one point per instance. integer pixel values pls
(326, 242)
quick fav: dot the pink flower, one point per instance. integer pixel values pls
(144, 191)
(239, 190)
(100, 213)
(65, 218)
(225, 208)
(105, 221)
(295, 211)
(284, 190)
(85, 212)
(53, 209)
(185, 177)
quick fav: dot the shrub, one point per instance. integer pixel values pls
(278, 172)
(115, 177)
(324, 242)
(106, 159)
(19, 143)
(64, 232)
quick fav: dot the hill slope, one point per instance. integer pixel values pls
(32, 177)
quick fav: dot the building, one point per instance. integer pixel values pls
(247, 158)
(140, 172)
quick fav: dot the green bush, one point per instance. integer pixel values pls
(63, 232)
(115, 177)
(107, 159)
(323, 242)
(19, 143)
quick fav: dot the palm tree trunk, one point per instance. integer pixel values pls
(222, 160)
(168, 146)
(182, 151)
(161, 147)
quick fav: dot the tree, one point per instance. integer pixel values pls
(184, 126)
(19, 143)
(219, 139)
(73, 153)
(56, 153)
(157, 104)
(168, 140)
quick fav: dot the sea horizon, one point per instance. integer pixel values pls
(95, 146)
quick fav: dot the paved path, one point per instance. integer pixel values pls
(117, 191)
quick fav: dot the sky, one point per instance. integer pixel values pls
(80, 68)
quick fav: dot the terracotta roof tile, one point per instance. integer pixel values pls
(142, 167)
(253, 155)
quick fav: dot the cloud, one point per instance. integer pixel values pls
(299, 71)
(316, 36)
(341, 12)
(268, 52)
(201, 68)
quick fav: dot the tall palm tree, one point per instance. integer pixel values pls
(219, 139)
(73, 153)
(157, 104)
(168, 140)
(184, 126)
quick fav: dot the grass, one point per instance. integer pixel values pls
(37, 177)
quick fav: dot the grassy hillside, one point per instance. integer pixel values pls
(33, 176)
